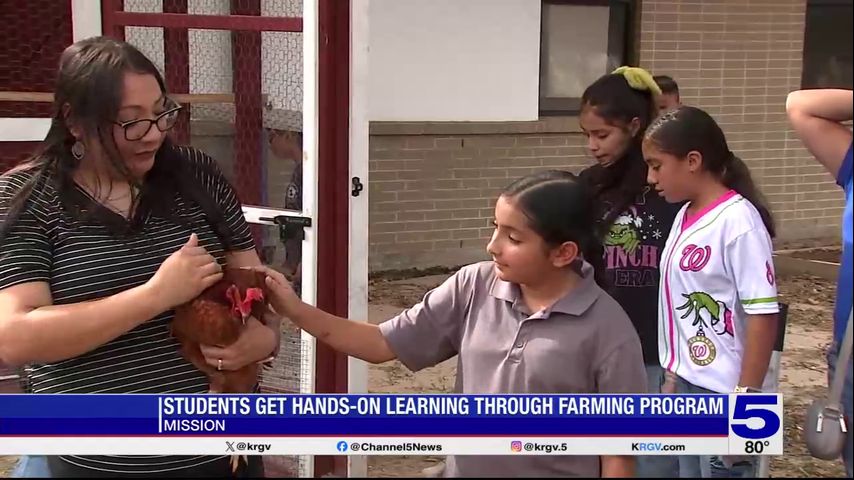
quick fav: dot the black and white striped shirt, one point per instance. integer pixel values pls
(82, 261)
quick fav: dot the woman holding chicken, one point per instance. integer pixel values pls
(103, 233)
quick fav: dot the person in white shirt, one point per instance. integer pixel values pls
(718, 296)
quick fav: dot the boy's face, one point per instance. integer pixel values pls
(666, 101)
(285, 144)
(519, 253)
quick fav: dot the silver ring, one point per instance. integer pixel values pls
(219, 364)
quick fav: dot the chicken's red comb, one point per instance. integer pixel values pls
(252, 294)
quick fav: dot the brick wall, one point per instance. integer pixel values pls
(738, 59)
(432, 185)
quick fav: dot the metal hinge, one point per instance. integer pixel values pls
(357, 186)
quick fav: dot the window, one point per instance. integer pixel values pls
(827, 44)
(580, 41)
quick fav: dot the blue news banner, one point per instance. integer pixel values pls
(743, 424)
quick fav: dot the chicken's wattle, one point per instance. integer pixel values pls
(233, 296)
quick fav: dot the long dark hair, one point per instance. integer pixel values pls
(686, 129)
(618, 104)
(88, 92)
(559, 208)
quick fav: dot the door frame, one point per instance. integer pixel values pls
(359, 137)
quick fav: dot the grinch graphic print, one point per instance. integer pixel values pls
(634, 242)
(705, 313)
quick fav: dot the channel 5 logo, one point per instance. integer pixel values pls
(756, 417)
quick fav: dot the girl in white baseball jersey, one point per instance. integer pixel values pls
(718, 296)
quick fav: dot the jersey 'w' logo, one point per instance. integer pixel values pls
(694, 258)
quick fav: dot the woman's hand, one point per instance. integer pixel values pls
(184, 275)
(282, 297)
(256, 342)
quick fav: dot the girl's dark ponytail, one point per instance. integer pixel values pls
(737, 176)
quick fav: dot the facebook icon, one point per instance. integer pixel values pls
(342, 446)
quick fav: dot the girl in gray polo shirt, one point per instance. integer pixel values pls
(532, 320)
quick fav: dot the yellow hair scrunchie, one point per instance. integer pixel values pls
(639, 79)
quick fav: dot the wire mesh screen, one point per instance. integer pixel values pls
(33, 36)
(245, 111)
(148, 39)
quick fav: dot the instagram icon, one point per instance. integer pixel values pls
(516, 446)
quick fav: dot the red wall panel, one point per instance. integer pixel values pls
(33, 36)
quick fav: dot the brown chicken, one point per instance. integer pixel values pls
(217, 317)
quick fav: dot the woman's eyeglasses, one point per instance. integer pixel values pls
(137, 129)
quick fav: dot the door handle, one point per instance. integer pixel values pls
(289, 227)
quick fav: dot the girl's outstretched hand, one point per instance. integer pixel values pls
(283, 299)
